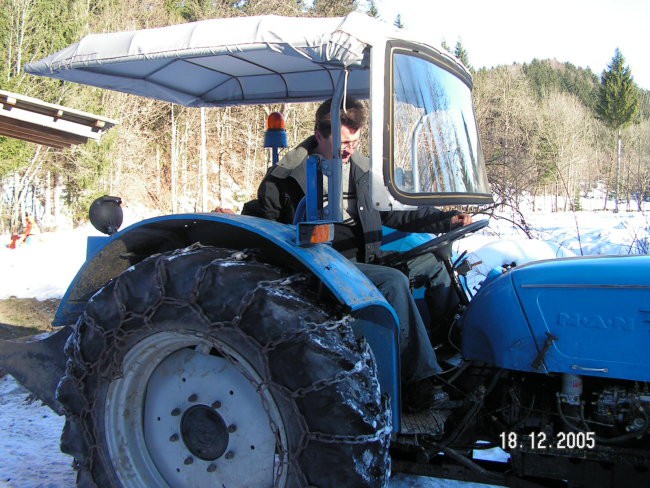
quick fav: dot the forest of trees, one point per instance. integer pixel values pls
(541, 127)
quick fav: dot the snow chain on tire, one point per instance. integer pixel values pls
(314, 383)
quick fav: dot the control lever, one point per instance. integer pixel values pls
(464, 267)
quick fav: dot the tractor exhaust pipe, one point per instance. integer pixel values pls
(37, 363)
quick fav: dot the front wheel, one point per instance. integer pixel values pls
(202, 367)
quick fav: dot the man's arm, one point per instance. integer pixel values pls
(269, 198)
(426, 219)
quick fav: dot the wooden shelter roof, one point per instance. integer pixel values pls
(34, 120)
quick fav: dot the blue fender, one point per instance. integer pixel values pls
(107, 257)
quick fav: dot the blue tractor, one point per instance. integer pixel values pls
(227, 350)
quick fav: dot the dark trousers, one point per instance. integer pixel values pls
(417, 357)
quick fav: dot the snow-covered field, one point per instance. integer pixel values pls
(29, 453)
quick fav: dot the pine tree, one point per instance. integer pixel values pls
(372, 9)
(461, 53)
(332, 8)
(618, 101)
(618, 104)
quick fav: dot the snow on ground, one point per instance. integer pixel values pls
(29, 444)
(43, 268)
(30, 456)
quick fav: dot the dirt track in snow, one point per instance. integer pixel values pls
(26, 316)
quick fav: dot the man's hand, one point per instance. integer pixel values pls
(223, 210)
(461, 220)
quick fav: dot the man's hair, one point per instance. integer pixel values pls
(354, 116)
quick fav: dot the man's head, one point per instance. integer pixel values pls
(353, 119)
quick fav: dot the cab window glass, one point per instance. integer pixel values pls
(434, 134)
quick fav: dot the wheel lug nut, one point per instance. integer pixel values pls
(193, 397)
(189, 460)
(176, 412)
(174, 437)
(212, 468)
(216, 404)
(230, 455)
(232, 428)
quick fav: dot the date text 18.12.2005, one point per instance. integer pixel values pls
(542, 440)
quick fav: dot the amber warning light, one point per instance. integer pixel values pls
(275, 136)
(314, 233)
(275, 121)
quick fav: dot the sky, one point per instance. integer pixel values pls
(585, 33)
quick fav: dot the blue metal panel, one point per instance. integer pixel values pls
(332, 168)
(275, 139)
(314, 190)
(397, 240)
(495, 329)
(376, 324)
(597, 309)
(94, 244)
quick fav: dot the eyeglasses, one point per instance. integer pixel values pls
(353, 145)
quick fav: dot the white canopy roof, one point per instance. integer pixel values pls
(224, 61)
(239, 60)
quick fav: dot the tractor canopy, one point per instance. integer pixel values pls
(424, 139)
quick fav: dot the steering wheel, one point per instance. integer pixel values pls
(440, 243)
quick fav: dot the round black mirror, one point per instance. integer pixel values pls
(106, 214)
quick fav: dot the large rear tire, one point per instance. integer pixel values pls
(202, 367)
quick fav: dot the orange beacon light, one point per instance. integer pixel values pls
(275, 136)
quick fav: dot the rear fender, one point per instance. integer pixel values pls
(107, 257)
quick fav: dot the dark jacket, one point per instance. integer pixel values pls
(284, 186)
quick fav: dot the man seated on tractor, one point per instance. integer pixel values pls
(359, 236)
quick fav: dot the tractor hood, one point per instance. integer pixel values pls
(579, 315)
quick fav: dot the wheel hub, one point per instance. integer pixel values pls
(182, 416)
(204, 432)
(205, 422)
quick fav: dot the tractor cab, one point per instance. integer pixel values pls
(430, 152)
(424, 145)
